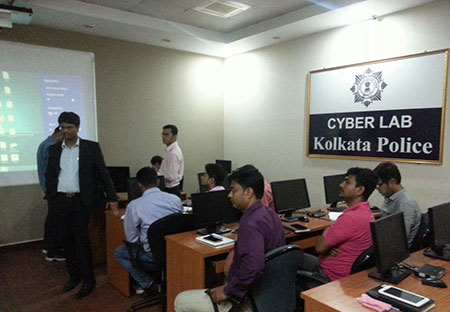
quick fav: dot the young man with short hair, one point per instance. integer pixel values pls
(75, 168)
(260, 230)
(340, 245)
(172, 168)
(139, 216)
(213, 177)
(396, 199)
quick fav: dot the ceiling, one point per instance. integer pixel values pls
(175, 24)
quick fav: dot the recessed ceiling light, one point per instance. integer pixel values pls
(166, 40)
(87, 26)
(222, 8)
(276, 37)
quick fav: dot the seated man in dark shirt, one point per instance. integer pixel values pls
(260, 230)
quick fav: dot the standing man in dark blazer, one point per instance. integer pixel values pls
(72, 181)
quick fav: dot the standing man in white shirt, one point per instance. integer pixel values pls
(172, 168)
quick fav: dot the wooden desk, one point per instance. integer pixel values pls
(116, 274)
(341, 295)
(186, 258)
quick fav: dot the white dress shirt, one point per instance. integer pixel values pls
(172, 167)
(68, 180)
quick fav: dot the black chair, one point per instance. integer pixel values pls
(365, 260)
(423, 236)
(276, 291)
(171, 224)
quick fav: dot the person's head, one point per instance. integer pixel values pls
(58, 134)
(247, 187)
(213, 176)
(389, 179)
(69, 123)
(156, 162)
(169, 134)
(358, 185)
(147, 178)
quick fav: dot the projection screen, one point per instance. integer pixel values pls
(37, 84)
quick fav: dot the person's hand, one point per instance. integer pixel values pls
(334, 252)
(218, 294)
(114, 206)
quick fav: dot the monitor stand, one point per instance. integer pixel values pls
(214, 229)
(444, 254)
(395, 276)
(288, 217)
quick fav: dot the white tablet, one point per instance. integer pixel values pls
(403, 296)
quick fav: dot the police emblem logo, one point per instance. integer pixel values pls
(368, 87)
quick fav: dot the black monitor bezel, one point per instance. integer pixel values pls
(276, 195)
(327, 186)
(435, 215)
(218, 202)
(225, 164)
(119, 176)
(384, 241)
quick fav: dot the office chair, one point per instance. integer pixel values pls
(171, 224)
(423, 236)
(276, 291)
(365, 260)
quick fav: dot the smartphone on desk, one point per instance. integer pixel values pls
(213, 238)
(299, 228)
(403, 296)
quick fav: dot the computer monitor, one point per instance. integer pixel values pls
(133, 189)
(119, 177)
(288, 196)
(225, 164)
(161, 183)
(439, 224)
(212, 209)
(332, 188)
(391, 247)
(202, 188)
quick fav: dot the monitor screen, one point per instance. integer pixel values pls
(439, 223)
(133, 189)
(161, 183)
(390, 244)
(119, 177)
(225, 164)
(332, 188)
(212, 209)
(290, 195)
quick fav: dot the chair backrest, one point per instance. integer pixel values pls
(422, 238)
(364, 261)
(171, 224)
(275, 291)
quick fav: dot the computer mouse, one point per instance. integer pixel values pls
(303, 219)
(434, 282)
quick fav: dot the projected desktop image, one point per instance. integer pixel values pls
(211, 210)
(439, 224)
(289, 196)
(391, 248)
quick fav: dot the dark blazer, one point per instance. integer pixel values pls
(91, 170)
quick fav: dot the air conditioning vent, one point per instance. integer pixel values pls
(222, 9)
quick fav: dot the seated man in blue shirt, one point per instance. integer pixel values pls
(260, 230)
(140, 214)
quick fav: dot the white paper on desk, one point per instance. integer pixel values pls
(334, 215)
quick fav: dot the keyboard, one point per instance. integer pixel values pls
(316, 214)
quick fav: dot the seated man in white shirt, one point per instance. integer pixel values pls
(140, 214)
(213, 177)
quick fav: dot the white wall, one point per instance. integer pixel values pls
(265, 111)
